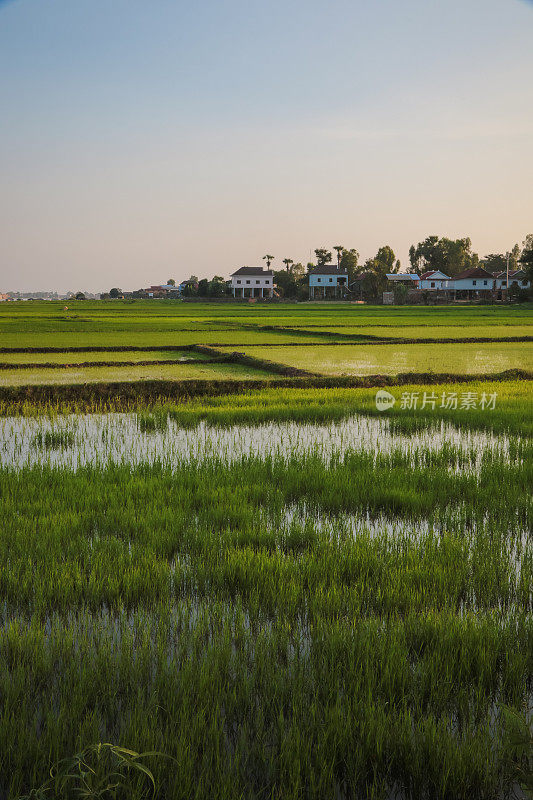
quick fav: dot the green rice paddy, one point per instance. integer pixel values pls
(133, 372)
(285, 592)
(391, 359)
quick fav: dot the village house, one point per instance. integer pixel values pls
(517, 277)
(252, 282)
(409, 279)
(327, 281)
(434, 280)
(472, 283)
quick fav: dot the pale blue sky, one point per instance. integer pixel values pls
(143, 140)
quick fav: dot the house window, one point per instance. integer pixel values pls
(318, 280)
(474, 283)
(504, 283)
(433, 284)
(331, 280)
(484, 283)
(249, 281)
(258, 281)
(238, 281)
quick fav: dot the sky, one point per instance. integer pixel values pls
(146, 140)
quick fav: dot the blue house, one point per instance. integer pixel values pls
(327, 281)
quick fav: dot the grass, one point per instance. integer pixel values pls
(285, 600)
(91, 356)
(176, 323)
(394, 359)
(391, 329)
(178, 372)
(179, 609)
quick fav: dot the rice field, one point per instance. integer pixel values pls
(283, 593)
(159, 323)
(186, 370)
(283, 607)
(391, 359)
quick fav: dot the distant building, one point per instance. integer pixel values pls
(472, 283)
(434, 280)
(327, 281)
(162, 290)
(252, 282)
(517, 277)
(409, 279)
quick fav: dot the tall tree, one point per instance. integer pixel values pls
(414, 258)
(527, 244)
(323, 256)
(288, 262)
(285, 283)
(495, 262)
(450, 256)
(171, 282)
(269, 259)
(514, 256)
(339, 248)
(385, 260)
(349, 263)
(526, 263)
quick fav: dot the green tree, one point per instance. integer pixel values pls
(323, 256)
(286, 283)
(298, 271)
(386, 260)
(269, 259)
(203, 287)
(526, 262)
(115, 293)
(171, 282)
(349, 262)
(514, 257)
(80, 296)
(495, 262)
(339, 248)
(217, 287)
(288, 262)
(450, 256)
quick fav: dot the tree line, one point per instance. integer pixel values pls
(450, 256)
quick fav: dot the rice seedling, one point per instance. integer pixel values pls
(54, 439)
(286, 591)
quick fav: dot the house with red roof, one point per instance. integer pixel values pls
(472, 283)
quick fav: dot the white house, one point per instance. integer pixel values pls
(473, 282)
(252, 282)
(434, 280)
(517, 277)
(327, 281)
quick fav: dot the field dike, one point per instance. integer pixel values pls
(152, 391)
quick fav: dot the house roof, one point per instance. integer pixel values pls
(402, 276)
(327, 269)
(253, 271)
(473, 272)
(513, 273)
(362, 276)
(434, 273)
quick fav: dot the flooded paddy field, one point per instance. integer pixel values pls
(336, 607)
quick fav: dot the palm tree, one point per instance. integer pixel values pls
(288, 262)
(268, 259)
(339, 248)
